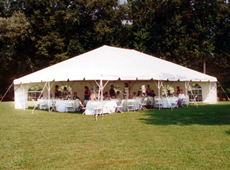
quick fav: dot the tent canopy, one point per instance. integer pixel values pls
(113, 63)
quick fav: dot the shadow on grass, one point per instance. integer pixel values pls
(203, 115)
(228, 132)
(75, 112)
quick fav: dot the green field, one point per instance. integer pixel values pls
(185, 138)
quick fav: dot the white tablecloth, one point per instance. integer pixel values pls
(61, 105)
(43, 103)
(136, 102)
(108, 106)
(66, 105)
(167, 102)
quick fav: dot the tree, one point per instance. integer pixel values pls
(14, 46)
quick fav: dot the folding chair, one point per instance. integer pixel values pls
(118, 108)
(82, 107)
(158, 102)
(130, 105)
(53, 107)
(70, 107)
(144, 104)
(98, 111)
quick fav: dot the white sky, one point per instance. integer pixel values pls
(122, 1)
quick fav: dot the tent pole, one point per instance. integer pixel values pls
(186, 89)
(159, 89)
(223, 90)
(23, 95)
(39, 96)
(48, 96)
(6, 91)
(194, 97)
(101, 90)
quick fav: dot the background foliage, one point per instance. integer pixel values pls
(37, 33)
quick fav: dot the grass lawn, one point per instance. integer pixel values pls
(185, 138)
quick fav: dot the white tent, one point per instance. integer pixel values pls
(115, 65)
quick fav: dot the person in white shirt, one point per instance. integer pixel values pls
(181, 97)
(126, 91)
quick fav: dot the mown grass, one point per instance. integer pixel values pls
(185, 138)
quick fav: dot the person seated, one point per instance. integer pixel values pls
(75, 97)
(181, 97)
(134, 95)
(139, 94)
(152, 94)
(112, 92)
(169, 93)
(118, 96)
(105, 95)
(65, 93)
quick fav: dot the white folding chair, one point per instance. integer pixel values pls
(174, 102)
(119, 107)
(53, 107)
(82, 107)
(193, 101)
(69, 107)
(158, 102)
(98, 110)
(144, 104)
(43, 106)
(130, 105)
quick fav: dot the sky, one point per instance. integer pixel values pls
(122, 1)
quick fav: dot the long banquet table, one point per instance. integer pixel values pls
(107, 106)
(61, 105)
(168, 102)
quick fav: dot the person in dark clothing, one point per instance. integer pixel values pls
(112, 92)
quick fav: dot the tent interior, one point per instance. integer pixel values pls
(204, 91)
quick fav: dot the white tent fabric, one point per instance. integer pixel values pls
(113, 63)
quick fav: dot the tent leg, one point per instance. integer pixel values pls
(6, 91)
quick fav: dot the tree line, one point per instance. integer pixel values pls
(38, 33)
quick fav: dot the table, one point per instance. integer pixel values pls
(168, 102)
(43, 104)
(61, 105)
(107, 106)
(66, 105)
(135, 102)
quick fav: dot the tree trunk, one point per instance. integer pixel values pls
(204, 66)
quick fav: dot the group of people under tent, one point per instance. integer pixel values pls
(117, 95)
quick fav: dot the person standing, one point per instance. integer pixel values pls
(65, 93)
(148, 90)
(178, 90)
(56, 91)
(112, 92)
(126, 91)
(87, 93)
